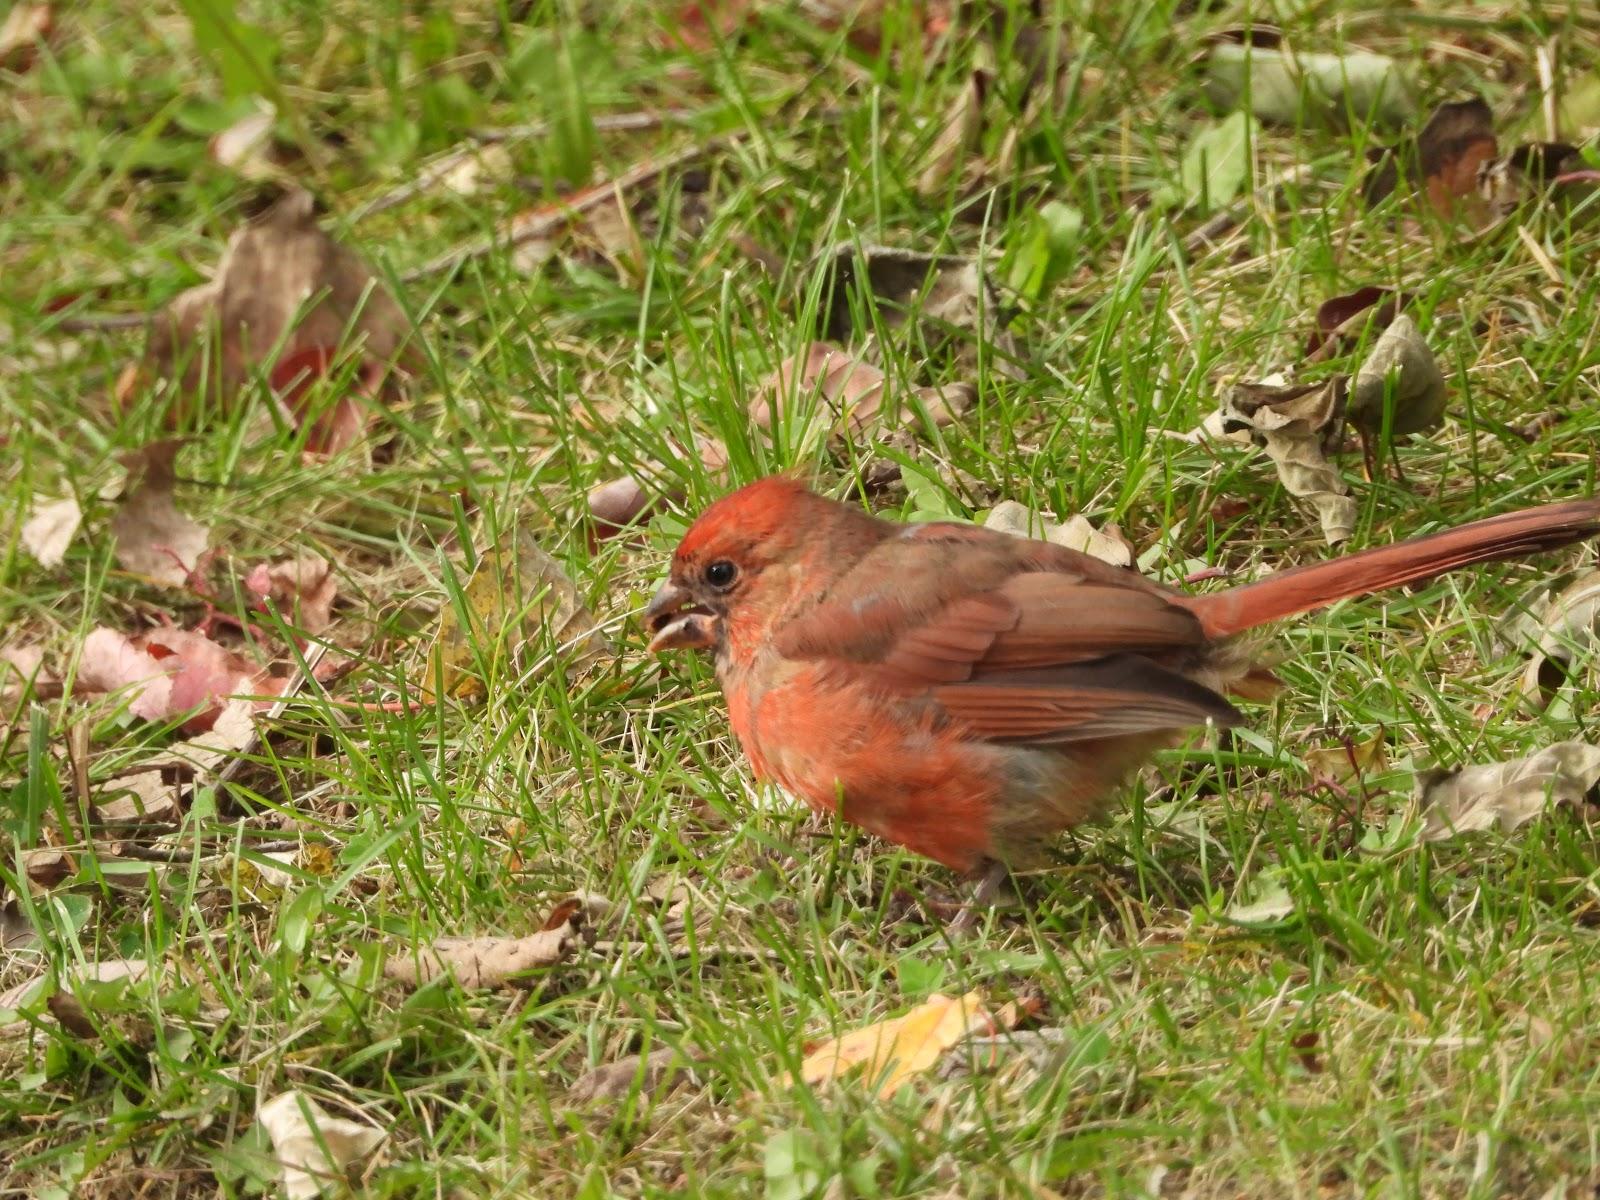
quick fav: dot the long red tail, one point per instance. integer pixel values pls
(1315, 585)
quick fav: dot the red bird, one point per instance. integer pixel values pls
(969, 694)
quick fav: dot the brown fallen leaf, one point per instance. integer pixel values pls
(313, 1148)
(655, 1073)
(284, 291)
(627, 502)
(1296, 424)
(1343, 320)
(153, 537)
(1350, 762)
(517, 595)
(140, 798)
(959, 130)
(25, 28)
(1529, 172)
(891, 1053)
(1400, 382)
(1075, 533)
(301, 590)
(245, 147)
(1567, 629)
(486, 962)
(1507, 794)
(851, 392)
(166, 673)
(1443, 160)
(50, 528)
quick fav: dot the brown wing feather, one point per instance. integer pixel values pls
(1018, 640)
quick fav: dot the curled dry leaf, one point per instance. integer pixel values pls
(1075, 533)
(1508, 794)
(168, 672)
(246, 146)
(302, 590)
(283, 285)
(945, 297)
(154, 538)
(1568, 628)
(895, 1051)
(1443, 160)
(1350, 762)
(517, 595)
(1289, 88)
(1531, 171)
(1400, 381)
(851, 392)
(1295, 424)
(50, 528)
(1343, 320)
(314, 1148)
(486, 962)
(655, 1073)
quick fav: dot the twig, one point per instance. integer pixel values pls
(95, 322)
(544, 221)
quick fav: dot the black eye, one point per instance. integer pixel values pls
(721, 573)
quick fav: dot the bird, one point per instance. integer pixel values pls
(969, 694)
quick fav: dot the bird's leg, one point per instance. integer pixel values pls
(990, 885)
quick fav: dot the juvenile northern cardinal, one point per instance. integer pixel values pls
(967, 693)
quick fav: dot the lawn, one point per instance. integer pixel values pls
(604, 228)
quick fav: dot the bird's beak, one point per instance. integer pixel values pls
(677, 623)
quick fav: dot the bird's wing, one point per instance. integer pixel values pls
(1014, 640)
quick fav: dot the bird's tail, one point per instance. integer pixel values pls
(1315, 585)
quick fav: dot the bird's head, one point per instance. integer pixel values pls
(721, 565)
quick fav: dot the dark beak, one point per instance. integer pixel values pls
(677, 623)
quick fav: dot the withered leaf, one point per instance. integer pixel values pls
(1343, 319)
(302, 590)
(851, 392)
(313, 1147)
(517, 595)
(486, 962)
(958, 136)
(1443, 159)
(1295, 424)
(142, 797)
(165, 673)
(283, 287)
(25, 27)
(1507, 794)
(654, 1073)
(154, 538)
(50, 528)
(1400, 381)
(1569, 627)
(1528, 172)
(1291, 88)
(619, 504)
(1075, 533)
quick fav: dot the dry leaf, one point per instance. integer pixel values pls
(314, 1148)
(484, 962)
(140, 798)
(169, 672)
(618, 504)
(283, 286)
(301, 590)
(517, 595)
(25, 26)
(1508, 794)
(1444, 158)
(105, 971)
(655, 1073)
(153, 537)
(246, 145)
(1075, 533)
(23, 667)
(851, 392)
(1294, 424)
(944, 295)
(904, 1046)
(1344, 319)
(1529, 172)
(1568, 627)
(49, 529)
(1351, 762)
(1400, 375)
(958, 136)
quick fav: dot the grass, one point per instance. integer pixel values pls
(1422, 1022)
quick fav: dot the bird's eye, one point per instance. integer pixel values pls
(721, 573)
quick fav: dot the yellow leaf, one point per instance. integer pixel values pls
(904, 1046)
(517, 592)
(1351, 762)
